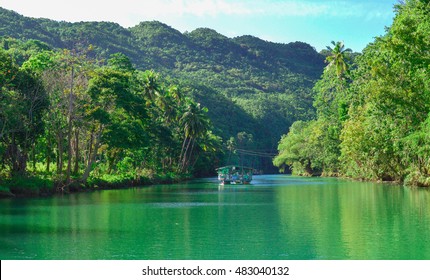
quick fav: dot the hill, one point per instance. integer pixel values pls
(248, 84)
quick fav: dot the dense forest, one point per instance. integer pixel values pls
(372, 118)
(250, 86)
(66, 119)
(93, 103)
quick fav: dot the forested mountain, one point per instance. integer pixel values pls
(249, 85)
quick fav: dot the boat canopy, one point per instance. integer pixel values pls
(234, 174)
(231, 168)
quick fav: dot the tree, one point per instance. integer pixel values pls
(120, 62)
(23, 101)
(148, 81)
(195, 124)
(108, 120)
(301, 149)
(337, 58)
(106, 89)
(391, 101)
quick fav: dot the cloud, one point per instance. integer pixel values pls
(215, 8)
(200, 8)
(126, 11)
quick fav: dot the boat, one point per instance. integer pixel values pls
(234, 174)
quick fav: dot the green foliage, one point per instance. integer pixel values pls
(8, 69)
(33, 183)
(337, 58)
(23, 101)
(416, 154)
(120, 62)
(68, 120)
(247, 81)
(395, 98)
(375, 117)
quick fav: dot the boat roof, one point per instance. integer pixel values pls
(234, 167)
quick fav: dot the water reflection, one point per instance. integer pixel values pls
(350, 220)
(277, 217)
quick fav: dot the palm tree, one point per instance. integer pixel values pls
(196, 124)
(175, 93)
(168, 102)
(150, 85)
(337, 58)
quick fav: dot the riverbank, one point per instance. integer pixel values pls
(31, 186)
(414, 180)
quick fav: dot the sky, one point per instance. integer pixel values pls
(316, 22)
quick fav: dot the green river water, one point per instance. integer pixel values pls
(277, 217)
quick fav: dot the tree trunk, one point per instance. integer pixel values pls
(182, 153)
(69, 131)
(69, 152)
(191, 153)
(92, 156)
(33, 155)
(60, 153)
(90, 146)
(182, 149)
(18, 158)
(76, 169)
(185, 158)
(48, 154)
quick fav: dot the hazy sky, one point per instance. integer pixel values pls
(316, 22)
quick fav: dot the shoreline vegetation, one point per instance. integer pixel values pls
(24, 187)
(373, 110)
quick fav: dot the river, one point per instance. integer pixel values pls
(276, 217)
